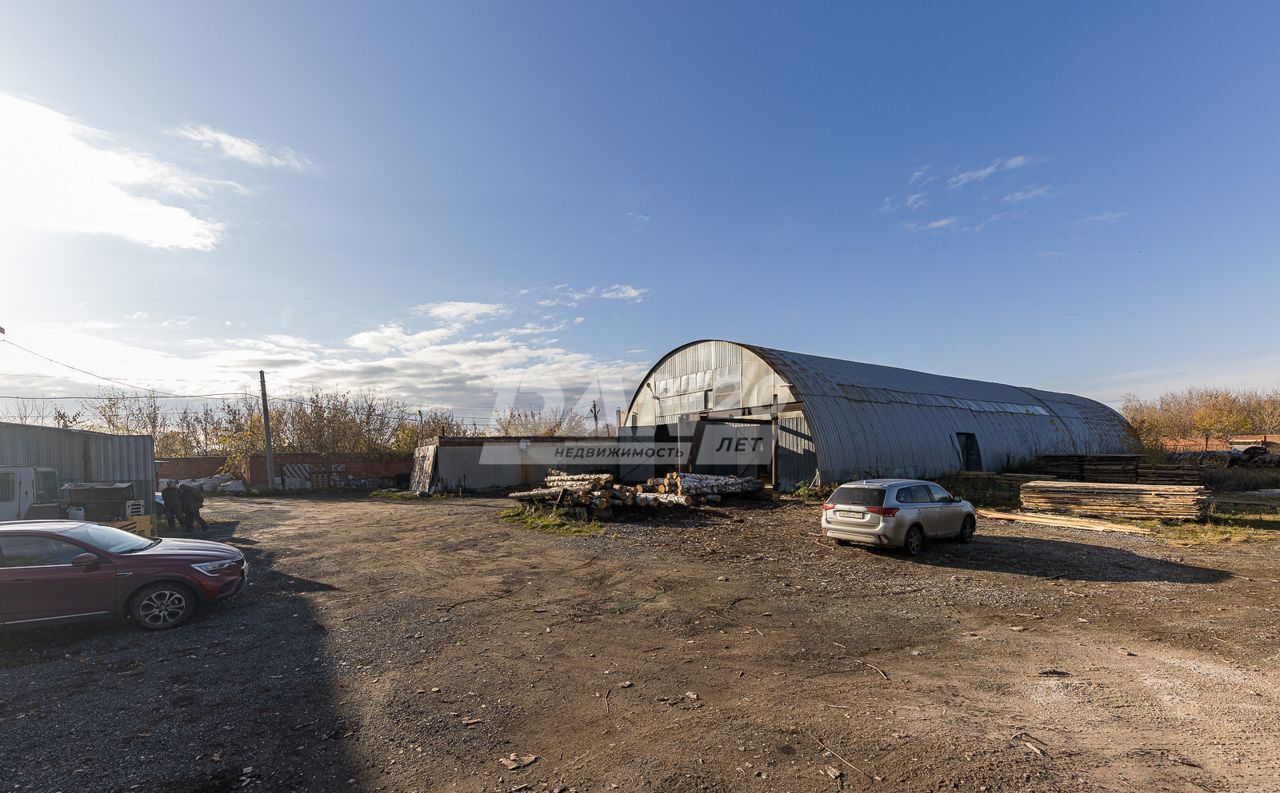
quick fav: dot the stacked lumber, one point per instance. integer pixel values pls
(1117, 501)
(598, 494)
(703, 484)
(1207, 459)
(1060, 521)
(1169, 474)
(1119, 468)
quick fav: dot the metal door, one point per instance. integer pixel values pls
(949, 513)
(9, 495)
(38, 581)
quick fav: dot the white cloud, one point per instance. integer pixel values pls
(934, 225)
(991, 219)
(138, 316)
(1105, 217)
(579, 320)
(1052, 254)
(473, 376)
(918, 174)
(913, 201)
(997, 165)
(624, 292)
(1027, 194)
(461, 312)
(531, 329)
(242, 149)
(180, 321)
(57, 174)
(639, 218)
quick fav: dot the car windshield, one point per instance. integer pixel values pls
(107, 538)
(858, 496)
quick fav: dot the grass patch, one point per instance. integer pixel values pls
(806, 492)
(554, 521)
(1223, 527)
(1235, 480)
(395, 495)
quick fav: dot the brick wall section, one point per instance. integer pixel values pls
(359, 466)
(189, 467)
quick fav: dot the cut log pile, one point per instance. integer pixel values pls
(702, 484)
(598, 493)
(1117, 501)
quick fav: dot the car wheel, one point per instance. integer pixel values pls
(966, 529)
(164, 605)
(913, 543)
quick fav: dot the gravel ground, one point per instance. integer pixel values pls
(415, 646)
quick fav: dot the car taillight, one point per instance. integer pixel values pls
(888, 512)
(828, 505)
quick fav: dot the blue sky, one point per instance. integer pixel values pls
(449, 202)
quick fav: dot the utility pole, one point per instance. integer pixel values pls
(595, 417)
(266, 431)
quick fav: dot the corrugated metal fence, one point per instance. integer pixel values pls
(83, 456)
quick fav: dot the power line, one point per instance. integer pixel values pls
(223, 395)
(81, 371)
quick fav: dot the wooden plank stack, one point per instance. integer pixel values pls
(1118, 468)
(1117, 501)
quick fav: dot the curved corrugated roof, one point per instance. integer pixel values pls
(867, 419)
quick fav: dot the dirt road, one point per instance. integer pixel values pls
(411, 646)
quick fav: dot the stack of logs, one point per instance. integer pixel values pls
(1117, 501)
(598, 494)
(702, 485)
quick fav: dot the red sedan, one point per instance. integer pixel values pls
(55, 571)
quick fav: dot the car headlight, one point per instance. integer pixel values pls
(213, 568)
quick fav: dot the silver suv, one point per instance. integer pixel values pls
(897, 513)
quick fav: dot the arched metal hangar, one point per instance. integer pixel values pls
(846, 420)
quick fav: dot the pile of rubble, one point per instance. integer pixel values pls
(598, 495)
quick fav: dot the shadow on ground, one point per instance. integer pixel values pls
(1046, 558)
(243, 696)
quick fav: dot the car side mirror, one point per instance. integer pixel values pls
(85, 559)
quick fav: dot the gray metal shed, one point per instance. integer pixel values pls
(846, 420)
(83, 456)
(476, 463)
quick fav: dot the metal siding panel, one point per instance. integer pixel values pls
(110, 458)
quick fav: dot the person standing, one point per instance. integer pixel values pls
(192, 499)
(172, 504)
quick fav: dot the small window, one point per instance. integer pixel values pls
(857, 496)
(938, 494)
(6, 488)
(20, 551)
(915, 494)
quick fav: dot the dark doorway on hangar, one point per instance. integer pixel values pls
(970, 454)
